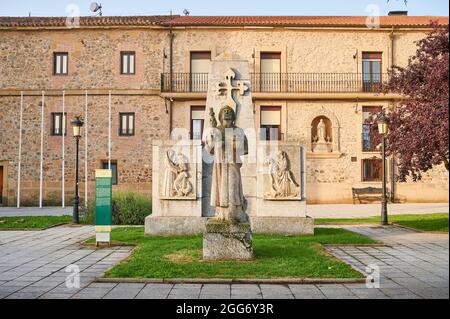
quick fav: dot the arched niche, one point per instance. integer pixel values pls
(328, 128)
(332, 124)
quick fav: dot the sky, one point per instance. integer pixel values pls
(221, 7)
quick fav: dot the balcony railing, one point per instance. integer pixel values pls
(282, 82)
(184, 82)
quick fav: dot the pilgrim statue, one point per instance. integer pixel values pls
(227, 143)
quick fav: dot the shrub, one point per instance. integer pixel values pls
(128, 209)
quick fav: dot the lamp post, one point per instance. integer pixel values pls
(77, 123)
(383, 126)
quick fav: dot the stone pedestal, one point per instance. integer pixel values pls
(224, 240)
(322, 147)
(174, 226)
(292, 226)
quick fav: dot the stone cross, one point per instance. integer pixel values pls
(228, 88)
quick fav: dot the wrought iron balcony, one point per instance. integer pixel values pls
(282, 82)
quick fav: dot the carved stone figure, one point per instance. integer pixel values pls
(176, 176)
(321, 132)
(227, 143)
(283, 184)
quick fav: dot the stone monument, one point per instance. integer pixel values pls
(228, 235)
(230, 184)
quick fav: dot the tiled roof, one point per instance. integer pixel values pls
(36, 22)
(342, 21)
(167, 21)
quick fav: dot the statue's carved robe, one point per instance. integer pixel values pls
(226, 188)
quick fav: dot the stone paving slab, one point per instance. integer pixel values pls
(33, 265)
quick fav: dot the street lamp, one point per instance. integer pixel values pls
(383, 126)
(77, 124)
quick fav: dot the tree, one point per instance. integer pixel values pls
(419, 125)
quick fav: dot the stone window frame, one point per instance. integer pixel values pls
(127, 114)
(52, 124)
(197, 48)
(128, 54)
(104, 165)
(4, 194)
(274, 107)
(283, 106)
(380, 179)
(55, 59)
(374, 150)
(195, 107)
(267, 49)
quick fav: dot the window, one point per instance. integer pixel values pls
(127, 62)
(60, 63)
(370, 137)
(57, 124)
(126, 125)
(197, 122)
(371, 69)
(371, 170)
(270, 123)
(270, 71)
(200, 62)
(113, 169)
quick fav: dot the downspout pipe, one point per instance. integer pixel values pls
(171, 39)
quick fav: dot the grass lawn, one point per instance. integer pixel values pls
(275, 257)
(32, 222)
(427, 222)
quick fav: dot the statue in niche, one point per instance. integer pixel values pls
(321, 142)
(321, 132)
(227, 143)
(283, 184)
(176, 176)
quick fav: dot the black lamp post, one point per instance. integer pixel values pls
(383, 126)
(77, 123)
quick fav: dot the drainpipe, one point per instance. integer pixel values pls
(392, 170)
(171, 38)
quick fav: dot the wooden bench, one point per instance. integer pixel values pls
(367, 194)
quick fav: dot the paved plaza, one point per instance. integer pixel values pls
(33, 265)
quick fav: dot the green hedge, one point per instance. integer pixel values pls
(128, 209)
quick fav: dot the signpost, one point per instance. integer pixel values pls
(103, 206)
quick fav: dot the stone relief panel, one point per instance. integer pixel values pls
(280, 171)
(282, 181)
(178, 176)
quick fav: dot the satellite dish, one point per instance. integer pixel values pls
(186, 12)
(96, 7)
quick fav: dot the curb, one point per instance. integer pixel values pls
(282, 281)
(34, 229)
(418, 230)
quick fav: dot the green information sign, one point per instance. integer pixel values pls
(103, 197)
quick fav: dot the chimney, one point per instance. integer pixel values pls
(398, 13)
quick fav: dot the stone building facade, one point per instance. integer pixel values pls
(304, 68)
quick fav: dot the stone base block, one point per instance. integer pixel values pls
(174, 226)
(283, 225)
(227, 241)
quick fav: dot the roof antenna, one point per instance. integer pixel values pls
(96, 7)
(29, 14)
(186, 12)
